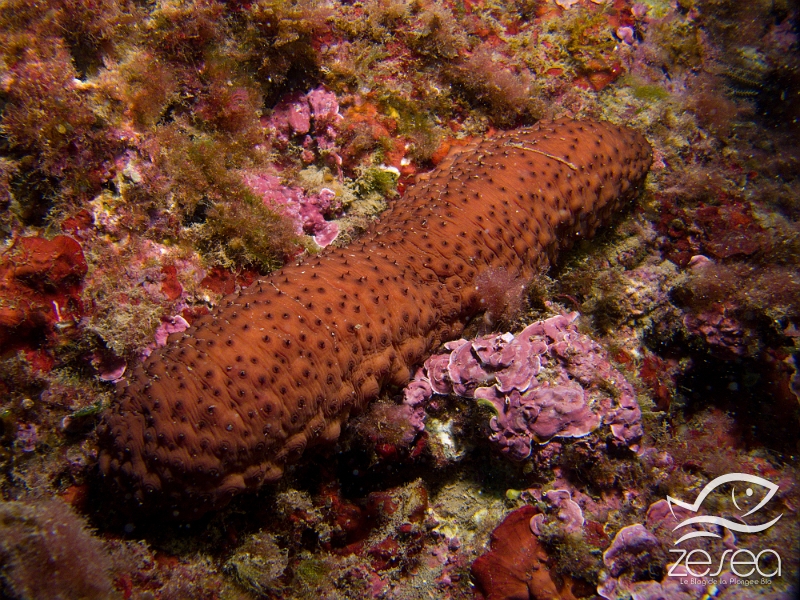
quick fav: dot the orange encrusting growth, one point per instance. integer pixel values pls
(281, 365)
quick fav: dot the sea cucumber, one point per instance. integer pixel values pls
(281, 365)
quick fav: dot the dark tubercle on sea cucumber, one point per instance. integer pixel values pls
(281, 365)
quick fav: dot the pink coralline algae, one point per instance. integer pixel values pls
(549, 381)
(626, 34)
(569, 513)
(662, 518)
(719, 329)
(632, 548)
(109, 367)
(306, 210)
(166, 328)
(292, 116)
(311, 117)
(639, 10)
(681, 587)
(639, 551)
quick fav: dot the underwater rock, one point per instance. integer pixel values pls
(280, 366)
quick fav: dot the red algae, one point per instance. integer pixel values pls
(516, 565)
(40, 283)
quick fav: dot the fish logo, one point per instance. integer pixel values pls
(721, 521)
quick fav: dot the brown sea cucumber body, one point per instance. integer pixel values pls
(281, 365)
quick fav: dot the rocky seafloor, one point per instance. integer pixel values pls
(155, 156)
